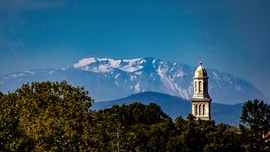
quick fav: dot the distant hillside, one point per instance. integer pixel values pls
(175, 106)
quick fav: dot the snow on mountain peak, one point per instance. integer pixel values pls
(133, 65)
(84, 62)
(122, 77)
(115, 63)
(107, 64)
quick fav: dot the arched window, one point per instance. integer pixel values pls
(199, 113)
(195, 110)
(195, 86)
(200, 86)
(203, 110)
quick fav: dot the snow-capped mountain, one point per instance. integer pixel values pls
(108, 79)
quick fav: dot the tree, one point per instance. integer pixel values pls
(222, 139)
(255, 121)
(46, 116)
(133, 127)
(12, 138)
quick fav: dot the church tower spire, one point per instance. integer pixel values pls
(201, 101)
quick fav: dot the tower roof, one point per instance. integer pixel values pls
(200, 72)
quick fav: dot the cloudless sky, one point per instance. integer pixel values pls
(231, 36)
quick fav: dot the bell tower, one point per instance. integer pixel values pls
(201, 101)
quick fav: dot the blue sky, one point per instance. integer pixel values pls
(231, 36)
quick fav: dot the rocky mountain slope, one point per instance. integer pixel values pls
(108, 79)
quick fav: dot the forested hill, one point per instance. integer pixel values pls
(175, 106)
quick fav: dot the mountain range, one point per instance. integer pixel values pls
(108, 79)
(176, 106)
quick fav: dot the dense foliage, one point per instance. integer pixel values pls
(45, 116)
(50, 116)
(255, 121)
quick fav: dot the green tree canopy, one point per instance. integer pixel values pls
(47, 116)
(52, 116)
(255, 121)
(256, 116)
(130, 127)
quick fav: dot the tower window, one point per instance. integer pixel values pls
(200, 86)
(199, 110)
(203, 110)
(195, 110)
(195, 86)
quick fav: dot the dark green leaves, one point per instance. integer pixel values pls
(45, 116)
(255, 120)
(48, 116)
